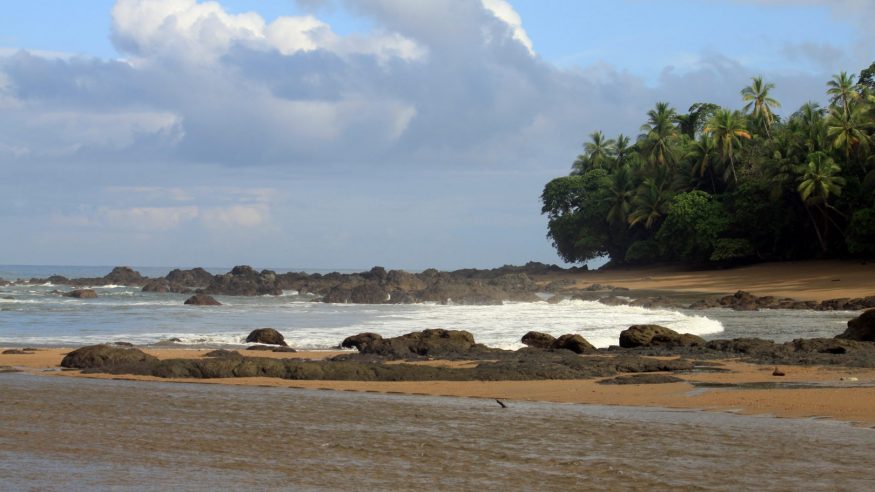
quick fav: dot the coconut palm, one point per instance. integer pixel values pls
(843, 91)
(727, 128)
(620, 195)
(813, 125)
(650, 203)
(760, 103)
(622, 149)
(847, 129)
(819, 181)
(658, 133)
(598, 150)
(703, 155)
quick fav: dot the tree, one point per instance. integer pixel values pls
(760, 103)
(692, 123)
(819, 182)
(866, 80)
(598, 149)
(847, 129)
(703, 154)
(692, 227)
(650, 203)
(657, 134)
(622, 149)
(842, 90)
(728, 129)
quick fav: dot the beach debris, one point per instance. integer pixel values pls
(202, 300)
(267, 336)
(503, 405)
(778, 372)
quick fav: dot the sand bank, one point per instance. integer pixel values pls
(839, 393)
(806, 280)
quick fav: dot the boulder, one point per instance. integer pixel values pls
(122, 275)
(861, 328)
(267, 336)
(655, 335)
(574, 343)
(432, 343)
(196, 277)
(539, 340)
(106, 356)
(202, 300)
(82, 294)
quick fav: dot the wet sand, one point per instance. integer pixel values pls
(846, 394)
(804, 280)
(122, 435)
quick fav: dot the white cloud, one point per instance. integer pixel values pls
(504, 11)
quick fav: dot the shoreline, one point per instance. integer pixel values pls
(838, 393)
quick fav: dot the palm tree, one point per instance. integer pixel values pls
(811, 118)
(819, 181)
(702, 153)
(847, 129)
(598, 149)
(650, 203)
(759, 103)
(842, 90)
(620, 195)
(728, 128)
(622, 149)
(657, 134)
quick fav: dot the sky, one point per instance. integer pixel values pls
(352, 133)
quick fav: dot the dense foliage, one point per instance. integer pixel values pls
(719, 185)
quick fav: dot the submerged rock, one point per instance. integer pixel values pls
(82, 294)
(268, 336)
(202, 300)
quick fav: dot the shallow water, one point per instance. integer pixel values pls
(59, 433)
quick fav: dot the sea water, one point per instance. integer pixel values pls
(35, 314)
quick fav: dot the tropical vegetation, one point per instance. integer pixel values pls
(717, 185)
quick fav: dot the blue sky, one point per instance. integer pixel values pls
(347, 133)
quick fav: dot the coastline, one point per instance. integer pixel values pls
(817, 280)
(838, 393)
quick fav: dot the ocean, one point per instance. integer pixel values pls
(36, 315)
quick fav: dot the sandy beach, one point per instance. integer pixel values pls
(803, 280)
(846, 394)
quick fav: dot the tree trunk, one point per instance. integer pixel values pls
(816, 230)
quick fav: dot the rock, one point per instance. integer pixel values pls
(243, 280)
(284, 349)
(169, 341)
(196, 277)
(262, 348)
(751, 346)
(16, 352)
(82, 294)
(778, 372)
(123, 344)
(123, 275)
(655, 335)
(202, 300)
(538, 340)
(105, 356)
(643, 379)
(267, 336)
(369, 293)
(432, 343)
(861, 328)
(224, 354)
(574, 343)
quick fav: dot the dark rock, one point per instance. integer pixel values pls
(284, 349)
(643, 379)
(538, 340)
(655, 335)
(105, 356)
(196, 277)
(224, 354)
(432, 343)
(16, 352)
(742, 345)
(123, 275)
(267, 336)
(82, 294)
(202, 300)
(123, 344)
(262, 348)
(243, 280)
(574, 343)
(861, 328)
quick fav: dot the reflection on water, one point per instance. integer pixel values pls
(90, 434)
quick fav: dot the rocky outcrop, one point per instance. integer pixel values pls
(161, 285)
(194, 278)
(106, 357)
(861, 328)
(202, 300)
(655, 335)
(82, 294)
(428, 343)
(268, 336)
(244, 281)
(574, 343)
(536, 339)
(123, 275)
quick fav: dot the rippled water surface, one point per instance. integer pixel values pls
(61, 433)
